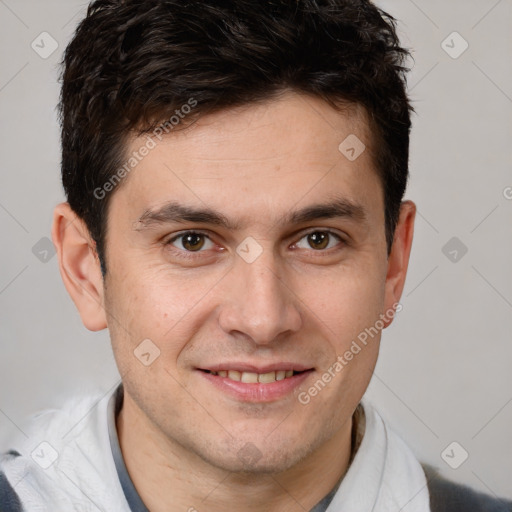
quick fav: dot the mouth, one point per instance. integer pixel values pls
(253, 377)
(250, 384)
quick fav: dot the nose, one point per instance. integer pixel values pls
(258, 303)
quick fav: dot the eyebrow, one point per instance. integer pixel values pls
(174, 212)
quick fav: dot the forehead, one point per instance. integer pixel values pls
(260, 158)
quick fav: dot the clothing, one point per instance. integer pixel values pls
(446, 496)
(89, 473)
(384, 476)
(83, 478)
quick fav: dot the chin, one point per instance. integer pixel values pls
(248, 459)
(266, 465)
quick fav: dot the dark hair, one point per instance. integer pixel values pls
(134, 63)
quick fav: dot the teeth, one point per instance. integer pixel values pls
(234, 375)
(253, 378)
(249, 378)
(264, 378)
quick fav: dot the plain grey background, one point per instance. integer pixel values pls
(444, 373)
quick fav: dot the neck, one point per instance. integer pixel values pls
(168, 477)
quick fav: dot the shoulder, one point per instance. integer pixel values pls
(64, 454)
(9, 499)
(447, 496)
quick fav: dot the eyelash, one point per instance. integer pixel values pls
(194, 254)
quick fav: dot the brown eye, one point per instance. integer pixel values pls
(318, 240)
(191, 242)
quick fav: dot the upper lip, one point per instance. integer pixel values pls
(253, 368)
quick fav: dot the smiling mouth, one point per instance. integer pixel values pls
(255, 378)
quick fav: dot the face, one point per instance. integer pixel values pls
(251, 253)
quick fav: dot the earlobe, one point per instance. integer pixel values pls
(79, 266)
(398, 259)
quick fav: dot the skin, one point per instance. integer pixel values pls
(181, 436)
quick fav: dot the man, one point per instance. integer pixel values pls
(234, 174)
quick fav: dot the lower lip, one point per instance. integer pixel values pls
(257, 392)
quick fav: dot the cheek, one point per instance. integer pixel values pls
(347, 301)
(157, 305)
(346, 312)
(154, 300)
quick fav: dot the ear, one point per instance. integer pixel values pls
(398, 259)
(79, 266)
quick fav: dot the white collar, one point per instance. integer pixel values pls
(384, 474)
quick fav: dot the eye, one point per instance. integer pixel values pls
(191, 241)
(319, 240)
